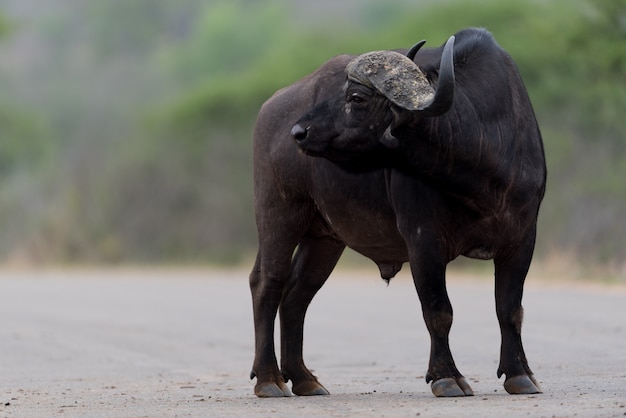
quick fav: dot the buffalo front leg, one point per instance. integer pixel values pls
(312, 264)
(510, 275)
(267, 286)
(429, 279)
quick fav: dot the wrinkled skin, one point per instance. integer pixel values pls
(336, 164)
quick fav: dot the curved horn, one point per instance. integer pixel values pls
(397, 78)
(444, 95)
(394, 76)
(414, 49)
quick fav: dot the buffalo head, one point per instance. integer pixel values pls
(384, 91)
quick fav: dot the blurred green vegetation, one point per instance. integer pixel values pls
(125, 127)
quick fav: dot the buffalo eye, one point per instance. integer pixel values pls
(356, 98)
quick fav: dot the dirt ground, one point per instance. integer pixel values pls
(179, 343)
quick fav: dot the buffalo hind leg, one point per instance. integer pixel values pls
(429, 279)
(510, 275)
(313, 262)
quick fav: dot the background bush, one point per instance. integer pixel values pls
(125, 127)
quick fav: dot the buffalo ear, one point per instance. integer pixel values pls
(388, 140)
(399, 117)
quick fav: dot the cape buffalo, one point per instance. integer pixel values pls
(420, 157)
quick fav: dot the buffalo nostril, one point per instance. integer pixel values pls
(299, 132)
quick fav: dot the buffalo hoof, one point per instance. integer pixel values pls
(309, 388)
(451, 387)
(522, 385)
(271, 390)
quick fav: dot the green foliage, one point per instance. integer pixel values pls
(134, 27)
(5, 26)
(228, 37)
(22, 139)
(133, 120)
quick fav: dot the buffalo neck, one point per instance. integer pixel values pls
(482, 163)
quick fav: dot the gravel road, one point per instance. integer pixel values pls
(179, 343)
